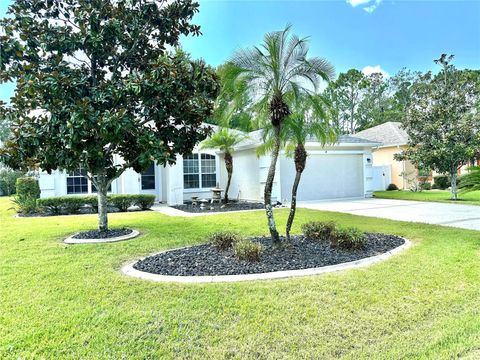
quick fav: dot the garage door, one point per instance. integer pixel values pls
(325, 177)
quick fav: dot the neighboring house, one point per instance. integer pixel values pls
(343, 170)
(393, 140)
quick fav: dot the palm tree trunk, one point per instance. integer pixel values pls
(300, 161)
(229, 167)
(268, 187)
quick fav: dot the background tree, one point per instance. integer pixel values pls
(308, 121)
(346, 94)
(442, 122)
(279, 66)
(105, 84)
(400, 93)
(225, 140)
(374, 105)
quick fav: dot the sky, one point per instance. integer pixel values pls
(370, 35)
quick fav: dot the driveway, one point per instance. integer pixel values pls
(455, 215)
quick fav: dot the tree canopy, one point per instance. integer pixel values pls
(101, 78)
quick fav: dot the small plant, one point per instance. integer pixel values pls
(144, 201)
(224, 239)
(392, 187)
(247, 250)
(348, 238)
(121, 202)
(318, 230)
(28, 191)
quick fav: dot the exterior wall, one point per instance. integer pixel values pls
(245, 183)
(402, 171)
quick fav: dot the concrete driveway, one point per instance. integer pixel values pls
(455, 215)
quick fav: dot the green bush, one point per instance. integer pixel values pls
(392, 187)
(224, 239)
(348, 238)
(426, 186)
(441, 182)
(318, 230)
(144, 201)
(8, 180)
(121, 202)
(62, 204)
(92, 201)
(28, 191)
(247, 250)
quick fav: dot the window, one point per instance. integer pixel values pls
(77, 181)
(148, 178)
(199, 172)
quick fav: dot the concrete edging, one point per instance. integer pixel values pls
(130, 271)
(72, 240)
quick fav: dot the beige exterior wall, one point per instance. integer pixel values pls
(384, 156)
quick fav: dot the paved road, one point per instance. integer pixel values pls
(455, 215)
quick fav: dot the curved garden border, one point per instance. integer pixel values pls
(72, 240)
(131, 271)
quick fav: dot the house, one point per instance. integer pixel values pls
(394, 139)
(342, 170)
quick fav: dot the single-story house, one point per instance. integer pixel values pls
(342, 170)
(393, 140)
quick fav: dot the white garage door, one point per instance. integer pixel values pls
(325, 177)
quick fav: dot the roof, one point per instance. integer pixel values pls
(389, 134)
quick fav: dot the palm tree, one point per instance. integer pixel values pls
(279, 66)
(225, 140)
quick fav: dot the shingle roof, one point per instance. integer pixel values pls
(389, 134)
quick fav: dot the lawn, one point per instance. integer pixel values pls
(71, 302)
(471, 198)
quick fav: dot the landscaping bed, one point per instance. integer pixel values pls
(204, 260)
(216, 207)
(97, 234)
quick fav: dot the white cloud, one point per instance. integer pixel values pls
(368, 70)
(367, 5)
(358, 2)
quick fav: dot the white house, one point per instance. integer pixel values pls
(343, 170)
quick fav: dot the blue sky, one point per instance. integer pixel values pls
(351, 34)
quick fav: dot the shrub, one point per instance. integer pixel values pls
(224, 239)
(28, 191)
(247, 250)
(92, 201)
(121, 202)
(61, 204)
(441, 182)
(318, 230)
(426, 186)
(144, 201)
(348, 238)
(8, 180)
(392, 187)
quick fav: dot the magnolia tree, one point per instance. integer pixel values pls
(98, 79)
(443, 121)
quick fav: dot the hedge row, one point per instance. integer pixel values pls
(73, 204)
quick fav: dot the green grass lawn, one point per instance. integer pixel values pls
(71, 302)
(471, 198)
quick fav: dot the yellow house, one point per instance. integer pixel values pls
(393, 139)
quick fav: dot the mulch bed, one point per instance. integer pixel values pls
(97, 234)
(205, 260)
(216, 207)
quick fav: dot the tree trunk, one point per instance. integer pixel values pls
(102, 186)
(229, 167)
(269, 185)
(300, 161)
(453, 179)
